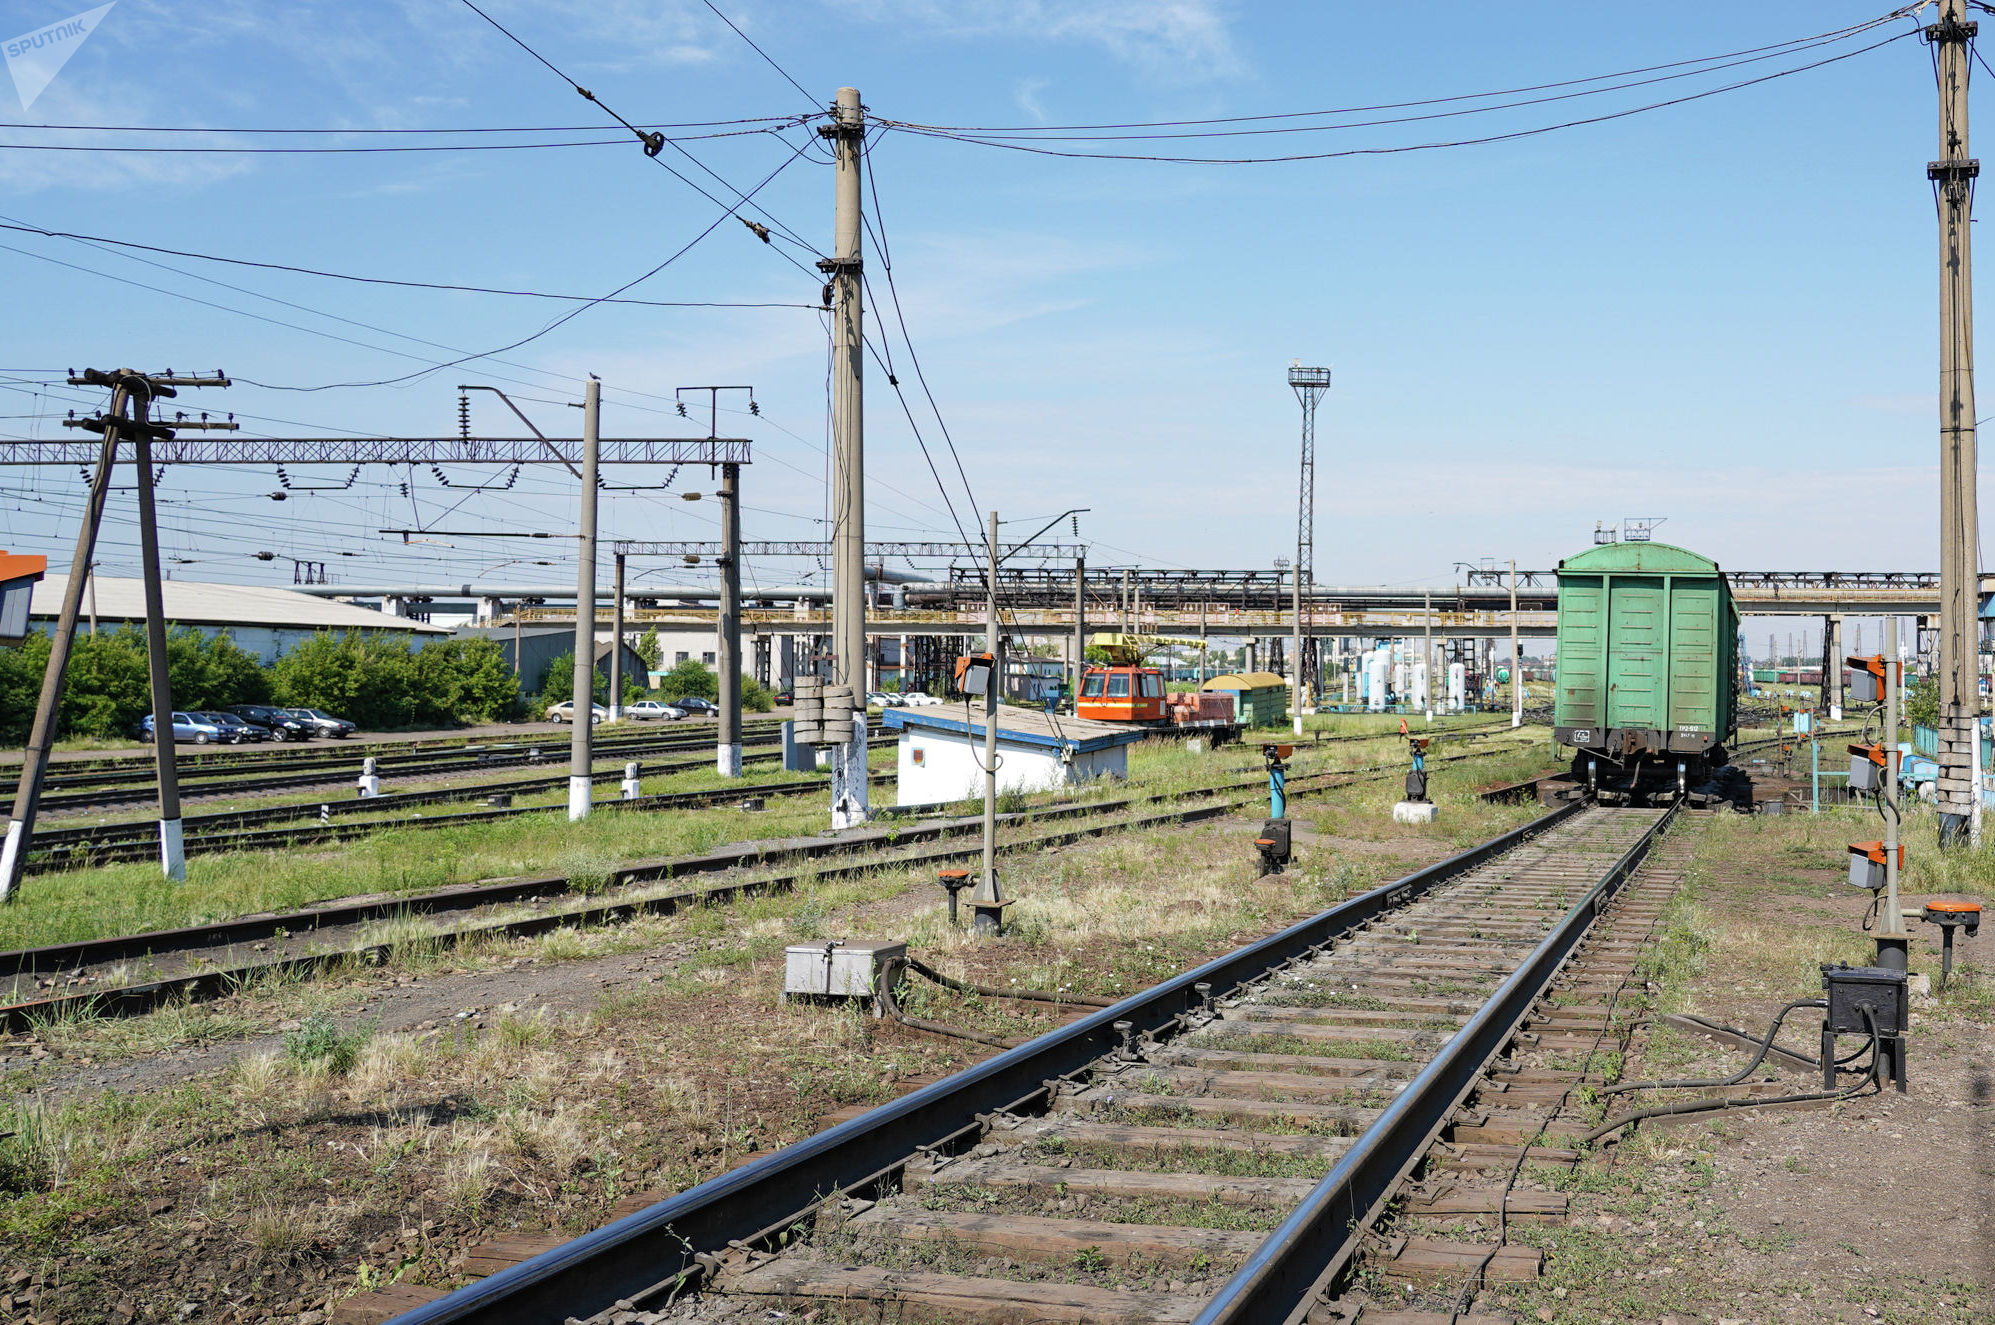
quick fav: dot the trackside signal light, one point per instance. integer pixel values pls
(1867, 861)
(1866, 678)
(1867, 764)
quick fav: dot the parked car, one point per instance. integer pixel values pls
(239, 731)
(565, 712)
(321, 722)
(915, 699)
(653, 710)
(273, 720)
(885, 699)
(186, 727)
(697, 707)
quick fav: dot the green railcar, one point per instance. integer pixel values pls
(1648, 665)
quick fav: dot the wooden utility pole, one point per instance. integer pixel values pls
(847, 131)
(1952, 176)
(581, 751)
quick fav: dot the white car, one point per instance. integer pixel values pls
(915, 699)
(565, 712)
(648, 709)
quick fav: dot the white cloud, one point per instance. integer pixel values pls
(1027, 97)
(1176, 39)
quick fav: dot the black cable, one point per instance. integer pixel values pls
(558, 322)
(1792, 48)
(767, 121)
(759, 51)
(1765, 1047)
(1484, 140)
(343, 151)
(377, 280)
(1715, 1103)
(1465, 96)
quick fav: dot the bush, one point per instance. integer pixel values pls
(756, 697)
(376, 681)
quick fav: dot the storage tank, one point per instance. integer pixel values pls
(1458, 687)
(1375, 681)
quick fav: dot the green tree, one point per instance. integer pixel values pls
(1922, 702)
(363, 677)
(756, 697)
(690, 679)
(106, 690)
(649, 649)
(558, 681)
(21, 686)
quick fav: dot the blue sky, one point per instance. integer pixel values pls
(1721, 313)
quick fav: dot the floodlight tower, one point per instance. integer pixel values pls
(1310, 384)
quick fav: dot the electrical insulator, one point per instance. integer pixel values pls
(464, 415)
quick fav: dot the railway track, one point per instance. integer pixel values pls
(1215, 1149)
(345, 769)
(104, 844)
(95, 977)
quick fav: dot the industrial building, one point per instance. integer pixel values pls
(262, 621)
(529, 649)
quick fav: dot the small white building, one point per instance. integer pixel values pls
(942, 751)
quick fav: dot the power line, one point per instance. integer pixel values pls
(342, 151)
(1037, 135)
(759, 51)
(24, 228)
(1389, 151)
(556, 323)
(1776, 47)
(768, 121)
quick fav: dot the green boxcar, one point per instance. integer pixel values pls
(1647, 655)
(1260, 699)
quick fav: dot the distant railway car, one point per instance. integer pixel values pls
(1121, 693)
(1647, 668)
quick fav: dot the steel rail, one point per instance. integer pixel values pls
(646, 1251)
(1280, 1281)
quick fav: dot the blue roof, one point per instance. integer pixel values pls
(1020, 727)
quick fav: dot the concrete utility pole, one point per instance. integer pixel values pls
(616, 646)
(1295, 663)
(727, 651)
(1309, 385)
(1952, 176)
(1516, 656)
(987, 887)
(1427, 652)
(1080, 625)
(848, 465)
(581, 742)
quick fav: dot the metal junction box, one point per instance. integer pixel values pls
(837, 968)
(1850, 988)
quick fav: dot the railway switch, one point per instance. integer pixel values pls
(954, 882)
(1865, 1000)
(1416, 808)
(1274, 846)
(1277, 757)
(839, 968)
(1950, 916)
(1867, 861)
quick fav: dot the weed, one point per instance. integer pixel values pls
(319, 1042)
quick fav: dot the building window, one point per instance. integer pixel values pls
(680, 656)
(707, 658)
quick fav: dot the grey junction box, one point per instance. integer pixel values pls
(837, 968)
